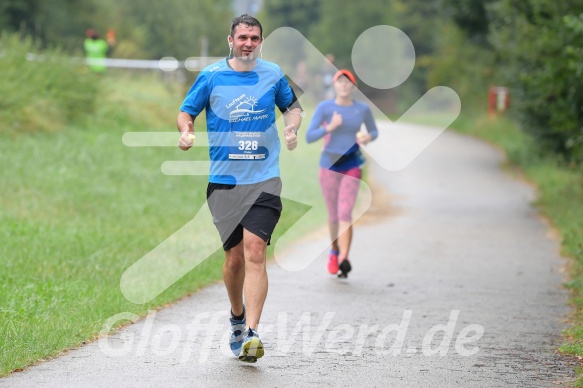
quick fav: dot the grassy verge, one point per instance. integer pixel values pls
(41, 91)
(77, 208)
(560, 191)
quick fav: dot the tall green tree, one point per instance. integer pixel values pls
(178, 28)
(55, 23)
(18, 15)
(461, 55)
(145, 28)
(540, 43)
(342, 23)
(471, 17)
(468, 68)
(299, 14)
(420, 20)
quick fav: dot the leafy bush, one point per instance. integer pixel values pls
(42, 90)
(539, 43)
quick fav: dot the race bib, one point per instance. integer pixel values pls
(247, 145)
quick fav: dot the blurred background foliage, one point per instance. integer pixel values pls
(534, 47)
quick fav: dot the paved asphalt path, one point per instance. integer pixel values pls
(455, 283)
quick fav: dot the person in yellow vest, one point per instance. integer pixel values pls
(97, 49)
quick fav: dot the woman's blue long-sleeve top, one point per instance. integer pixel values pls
(341, 152)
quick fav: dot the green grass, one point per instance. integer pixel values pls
(77, 208)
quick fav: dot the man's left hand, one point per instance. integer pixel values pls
(291, 140)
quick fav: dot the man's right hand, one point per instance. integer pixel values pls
(185, 142)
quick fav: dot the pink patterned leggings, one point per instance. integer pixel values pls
(340, 190)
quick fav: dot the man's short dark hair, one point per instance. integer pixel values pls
(247, 20)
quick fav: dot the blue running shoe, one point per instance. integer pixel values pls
(252, 347)
(237, 333)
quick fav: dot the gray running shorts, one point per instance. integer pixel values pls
(255, 207)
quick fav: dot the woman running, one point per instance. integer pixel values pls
(339, 121)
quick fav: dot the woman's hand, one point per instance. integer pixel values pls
(363, 138)
(335, 122)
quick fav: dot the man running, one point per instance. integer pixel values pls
(240, 94)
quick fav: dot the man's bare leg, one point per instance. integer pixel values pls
(256, 283)
(234, 277)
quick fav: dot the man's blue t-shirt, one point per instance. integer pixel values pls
(240, 113)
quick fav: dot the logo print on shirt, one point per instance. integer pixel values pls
(245, 109)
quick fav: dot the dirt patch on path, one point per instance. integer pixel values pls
(382, 205)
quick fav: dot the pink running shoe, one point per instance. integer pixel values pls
(333, 262)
